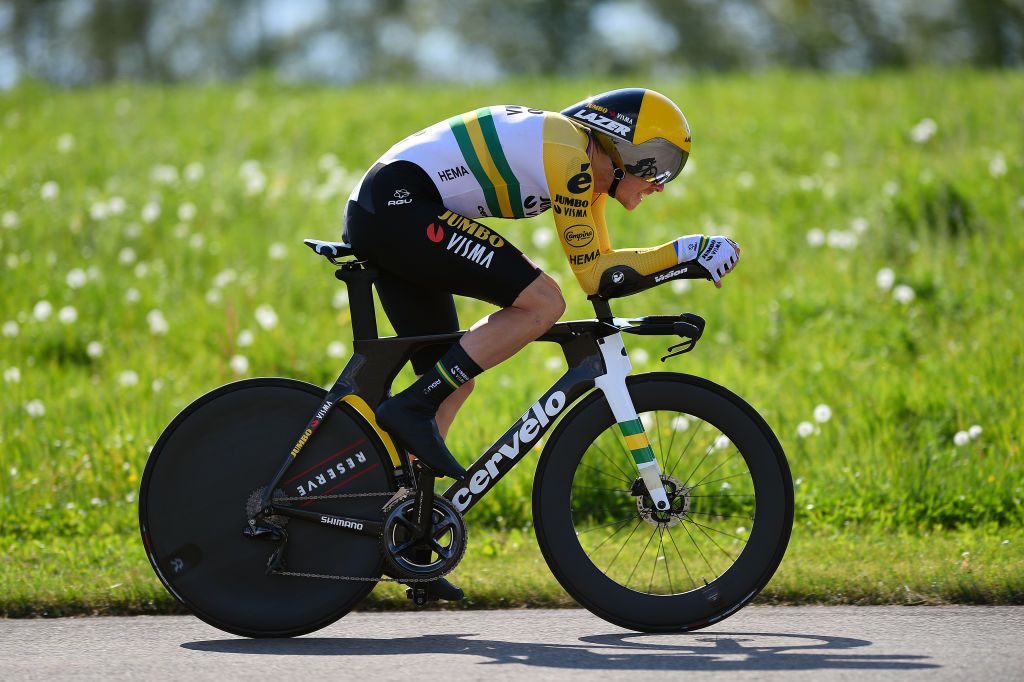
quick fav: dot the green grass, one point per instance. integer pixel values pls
(176, 213)
(109, 575)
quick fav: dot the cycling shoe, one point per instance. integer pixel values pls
(442, 589)
(415, 429)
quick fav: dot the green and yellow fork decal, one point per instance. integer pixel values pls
(636, 441)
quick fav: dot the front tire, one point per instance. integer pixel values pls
(650, 571)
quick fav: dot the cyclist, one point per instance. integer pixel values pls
(413, 216)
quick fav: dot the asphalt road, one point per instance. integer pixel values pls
(811, 643)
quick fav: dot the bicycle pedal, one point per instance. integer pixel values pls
(419, 595)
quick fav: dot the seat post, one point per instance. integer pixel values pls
(359, 280)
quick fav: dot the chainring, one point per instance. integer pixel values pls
(409, 558)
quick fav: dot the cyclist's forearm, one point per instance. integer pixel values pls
(643, 261)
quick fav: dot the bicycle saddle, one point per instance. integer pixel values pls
(329, 249)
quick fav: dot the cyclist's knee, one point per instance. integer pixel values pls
(543, 299)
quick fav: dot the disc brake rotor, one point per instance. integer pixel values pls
(678, 504)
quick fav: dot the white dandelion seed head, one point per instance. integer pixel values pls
(340, 299)
(245, 338)
(132, 230)
(859, 225)
(541, 237)
(49, 191)
(903, 294)
(822, 413)
(745, 180)
(722, 442)
(974, 431)
(891, 188)
(42, 310)
(126, 256)
(94, 349)
(214, 296)
(277, 251)
(647, 420)
(809, 507)
(961, 438)
(157, 322)
(336, 350)
(552, 364)
(841, 239)
(164, 174)
(187, 211)
(639, 356)
(830, 159)
(116, 205)
(67, 315)
(681, 286)
(327, 161)
(10, 329)
(196, 241)
(35, 408)
(266, 317)
(76, 278)
(224, 277)
(132, 295)
(680, 423)
(141, 269)
(239, 364)
(806, 183)
(9, 220)
(885, 278)
(12, 375)
(150, 212)
(99, 211)
(157, 385)
(194, 172)
(254, 184)
(741, 530)
(128, 378)
(65, 143)
(804, 429)
(725, 485)
(923, 130)
(815, 238)
(997, 166)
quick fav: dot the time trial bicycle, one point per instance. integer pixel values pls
(662, 502)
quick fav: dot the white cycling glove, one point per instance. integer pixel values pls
(718, 255)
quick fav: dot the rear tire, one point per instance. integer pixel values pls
(687, 569)
(216, 454)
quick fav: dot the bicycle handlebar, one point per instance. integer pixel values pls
(623, 280)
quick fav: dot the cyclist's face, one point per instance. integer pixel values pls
(632, 190)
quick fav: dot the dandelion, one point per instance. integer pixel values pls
(822, 413)
(804, 429)
(838, 239)
(830, 160)
(903, 294)
(164, 174)
(859, 225)
(961, 438)
(974, 431)
(196, 241)
(132, 295)
(67, 314)
(49, 190)
(891, 188)
(187, 211)
(541, 237)
(128, 378)
(885, 278)
(806, 183)
(245, 338)
(745, 180)
(194, 172)
(9, 220)
(680, 286)
(277, 251)
(150, 212)
(923, 130)
(327, 161)
(12, 375)
(157, 385)
(65, 143)
(340, 299)
(99, 211)
(116, 205)
(266, 317)
(552, 364)
(130, 497)
(42, 310)
(10, 329)
(722, 442)
(94, 349)
(815, 238)
(680, 423)
(647, 421)
(214, 296)
(132, 231)
(640, 356)
(725, 485)
(69, 505)
(798, 481)
(35, 408)
(741, 530)
(224, 277)
(14, 472)
(239, 364)
(126, 256)
(76, 279)
(809, 507)
(997, 166)
(336, 349)
(157, 322)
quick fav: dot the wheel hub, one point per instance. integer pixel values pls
(678, 503)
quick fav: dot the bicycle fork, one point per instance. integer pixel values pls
(613, 384)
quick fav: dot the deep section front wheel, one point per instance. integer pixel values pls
(204, 478)
(679, 569)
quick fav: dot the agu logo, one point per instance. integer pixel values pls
(435, 233)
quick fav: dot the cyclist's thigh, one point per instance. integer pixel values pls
(416, 311)
(402, 227)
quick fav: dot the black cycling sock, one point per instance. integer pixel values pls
(446, 376)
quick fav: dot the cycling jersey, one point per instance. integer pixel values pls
(511, 161)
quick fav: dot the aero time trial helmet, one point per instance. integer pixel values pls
(642, 130)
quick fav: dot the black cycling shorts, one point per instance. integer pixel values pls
(425, 253)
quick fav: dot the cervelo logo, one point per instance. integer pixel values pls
(343, 523)
(401, 197)
(530, 425)
(602, 122)
(671, 274)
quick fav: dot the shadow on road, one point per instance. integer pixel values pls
(702, 651)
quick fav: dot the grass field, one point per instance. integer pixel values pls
(151, 251)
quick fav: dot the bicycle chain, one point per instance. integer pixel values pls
(355, 578)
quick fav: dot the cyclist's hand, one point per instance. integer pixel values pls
(719, 256)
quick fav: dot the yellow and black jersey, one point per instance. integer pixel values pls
(510, 161)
